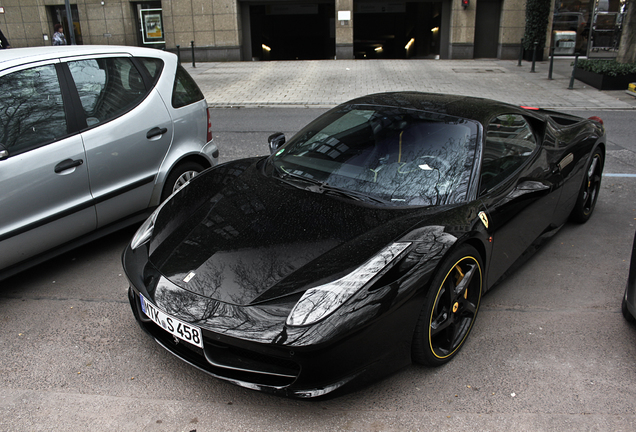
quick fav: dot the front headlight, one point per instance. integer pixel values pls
(317, 303)
(144, 232)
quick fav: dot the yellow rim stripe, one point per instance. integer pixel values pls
(437, 299)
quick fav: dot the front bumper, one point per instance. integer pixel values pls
(227, 361)
(279, 366)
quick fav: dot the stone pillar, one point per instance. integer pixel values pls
(344, 31)
(462, 32)
(513, 24)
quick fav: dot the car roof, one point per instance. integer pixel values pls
(473, 108)
(19, 56)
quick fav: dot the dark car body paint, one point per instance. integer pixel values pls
(290, 240)
(540, 196)
(258, 325)
(630, 290)
(275, 237)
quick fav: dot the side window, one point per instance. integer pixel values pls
(153, 66)
(509, 142)
(185, 90)
(31, 109)
(107, 87)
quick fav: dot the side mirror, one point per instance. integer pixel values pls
(275, 141)
(4, 153)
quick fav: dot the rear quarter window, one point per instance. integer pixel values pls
(153, 67)
(185, 90)
(509, 143)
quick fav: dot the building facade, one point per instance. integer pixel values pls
(246, 30)
(588, 27)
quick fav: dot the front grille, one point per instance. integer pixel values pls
(251, 366)
(223, 360)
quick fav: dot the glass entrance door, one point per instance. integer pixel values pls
(58, 15)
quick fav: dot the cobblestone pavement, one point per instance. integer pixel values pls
(325, 83)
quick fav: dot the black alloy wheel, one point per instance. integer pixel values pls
(450, 308)
(590, 188)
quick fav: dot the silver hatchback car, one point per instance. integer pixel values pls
(92, 138)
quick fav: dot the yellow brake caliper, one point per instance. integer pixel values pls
(460, 277)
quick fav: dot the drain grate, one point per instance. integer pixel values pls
(478, 70)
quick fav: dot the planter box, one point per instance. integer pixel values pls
(604, 82)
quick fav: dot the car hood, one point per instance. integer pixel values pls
(241, 237)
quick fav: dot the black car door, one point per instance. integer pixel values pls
(518, 187)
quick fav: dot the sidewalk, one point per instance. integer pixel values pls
(326, 83)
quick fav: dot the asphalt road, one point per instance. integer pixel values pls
(550, 349)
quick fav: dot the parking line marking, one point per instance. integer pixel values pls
(619, 175)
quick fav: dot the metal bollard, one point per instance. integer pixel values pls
(551, 63)
(534, 55)
(576, 59)
(192, 45)
(520, 53)
(179, 54)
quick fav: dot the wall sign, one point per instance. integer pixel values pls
(151, 26)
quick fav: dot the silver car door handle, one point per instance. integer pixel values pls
(68, 164)
(156, 131)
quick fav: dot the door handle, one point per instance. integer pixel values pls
(67, 164)
(156, 131)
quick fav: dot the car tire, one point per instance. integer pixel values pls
(179, 176)
(588, 194)
(626, 313)
(450, 308)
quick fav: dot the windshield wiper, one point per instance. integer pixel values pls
(283, 175)
(334, 190)
(318, 186)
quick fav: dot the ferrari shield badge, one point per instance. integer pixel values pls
(484, 218)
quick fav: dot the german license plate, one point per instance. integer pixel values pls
(175, 327)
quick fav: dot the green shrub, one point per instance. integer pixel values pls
(537, 16)
(607, 67)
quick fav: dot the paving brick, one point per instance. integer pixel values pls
(327, 83)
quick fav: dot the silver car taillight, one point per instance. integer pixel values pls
(209, 137)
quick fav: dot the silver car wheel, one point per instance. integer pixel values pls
(183, 179)
(179, 176)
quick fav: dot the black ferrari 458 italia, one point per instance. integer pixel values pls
(362, 244)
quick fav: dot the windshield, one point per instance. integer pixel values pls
(400, 156)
